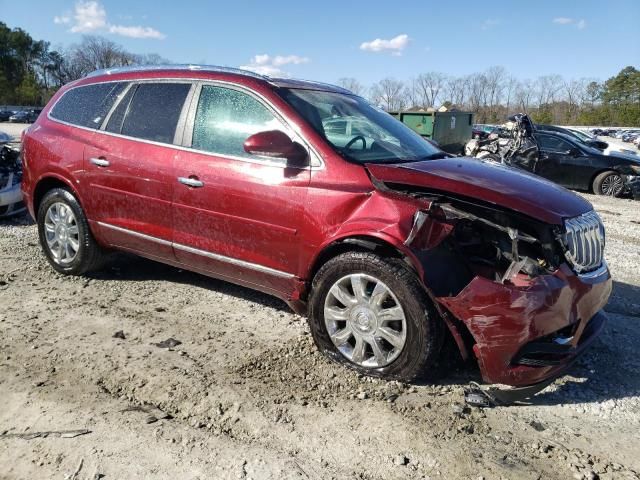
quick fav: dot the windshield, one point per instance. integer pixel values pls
(581, 135)
(357, 130)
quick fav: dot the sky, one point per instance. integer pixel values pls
(369, 40)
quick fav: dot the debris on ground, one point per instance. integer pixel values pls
(168, 343)
(32, 435)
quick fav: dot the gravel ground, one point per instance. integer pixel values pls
(246, 395)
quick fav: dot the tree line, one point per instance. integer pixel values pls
(31, 72)
(495, 94)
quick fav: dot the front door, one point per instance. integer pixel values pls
(236, 215)
(557, 161)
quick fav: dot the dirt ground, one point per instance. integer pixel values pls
(246, 395)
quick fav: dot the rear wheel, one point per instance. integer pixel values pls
(372, 315)
(608, 183)
(65, 236)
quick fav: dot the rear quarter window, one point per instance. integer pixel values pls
(87, 106)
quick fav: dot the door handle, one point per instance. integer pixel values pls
(100, 162)
(191, 182)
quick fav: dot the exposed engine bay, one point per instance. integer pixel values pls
(465, 239)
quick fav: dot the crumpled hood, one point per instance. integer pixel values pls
(489, 182)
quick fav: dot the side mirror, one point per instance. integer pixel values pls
(277, 144)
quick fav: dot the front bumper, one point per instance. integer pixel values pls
(527, 334)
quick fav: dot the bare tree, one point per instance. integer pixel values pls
(94, 53)
(352, 85)
(455, 90)
(429, 86)
(494, 79)
(412, 94)
(547, 88)
(511, 86)
(477, 91)
(149, 59)
(574, 93)
(524, 95)
(389, 94)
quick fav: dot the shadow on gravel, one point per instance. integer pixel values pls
(596, 377)
(124, 267)
(22, 220)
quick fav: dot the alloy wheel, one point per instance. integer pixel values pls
(612, 185)
(365, 320)
(61, 233)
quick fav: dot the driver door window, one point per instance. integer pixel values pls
(553, 144)
(225, 118)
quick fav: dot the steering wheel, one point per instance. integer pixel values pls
(354, 140)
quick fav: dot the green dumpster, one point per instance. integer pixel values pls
(450, 129)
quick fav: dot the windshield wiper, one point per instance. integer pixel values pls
(434, 156)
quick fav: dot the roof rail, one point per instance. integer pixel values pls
(198, 68)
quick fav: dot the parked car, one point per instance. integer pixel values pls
(629, 136)
(572, 164)
(5, 114)
(597, 131)
(25, 116)
(386, 243)
(576, 134)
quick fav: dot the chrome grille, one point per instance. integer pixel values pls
(584, 239)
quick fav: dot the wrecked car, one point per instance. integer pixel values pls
(10, 178)
(389, 245)
(560, 158)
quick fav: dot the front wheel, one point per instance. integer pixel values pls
(608, 183)
(372, 315)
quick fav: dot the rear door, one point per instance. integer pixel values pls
(237, 215)
(129, 166)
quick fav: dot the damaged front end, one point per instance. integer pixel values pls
(10, 178)
(524, 295)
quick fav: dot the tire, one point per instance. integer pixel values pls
(608, 183)
(83, 254)
(422, 326)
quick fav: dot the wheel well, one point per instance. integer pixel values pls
(43, 187)
(462, 339)
(360, 243)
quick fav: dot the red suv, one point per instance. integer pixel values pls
(309, 193)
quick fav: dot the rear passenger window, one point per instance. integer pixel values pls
(154, 111)
(225, 118)
(114, 124)
(87, 106)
